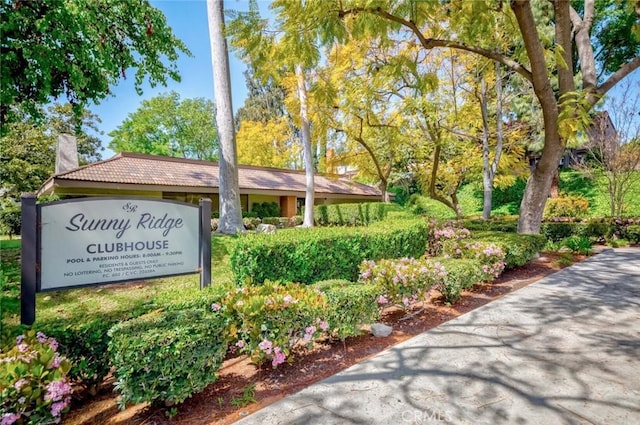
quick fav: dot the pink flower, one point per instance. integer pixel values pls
(287, 299)
(22, 347)
(240, 303)
(56, 390)
(56, 361)
(240, 343)
(20, 338)
(278, 357)
(324, 325)
(405, 301)
(57, 408)
(382, 300)
(42, 338)
(310, 330)
(9, 418)
(53, 344)
(215, 307)
(265, 346)
(19, 384)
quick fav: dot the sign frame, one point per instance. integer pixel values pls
(31, 248)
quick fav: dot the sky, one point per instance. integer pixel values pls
(188, 20)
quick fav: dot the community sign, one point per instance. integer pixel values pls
(93, 241)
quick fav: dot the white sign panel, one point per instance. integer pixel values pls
(110, 240)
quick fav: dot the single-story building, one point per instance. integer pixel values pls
(188, 180)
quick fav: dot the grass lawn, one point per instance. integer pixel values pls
(77, 303)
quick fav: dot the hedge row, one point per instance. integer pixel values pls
(558, 228)
(311, 255)
(361, 214)
(166, 356)
(599, 229)
(497, 224)
(519, 249)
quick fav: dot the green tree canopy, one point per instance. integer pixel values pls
(166, 125)
(534, 39)
(29, 147)
(78, 48)
(264, 102)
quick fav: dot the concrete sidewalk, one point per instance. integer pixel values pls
(564, 350)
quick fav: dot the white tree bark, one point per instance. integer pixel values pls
(308, 152)
(230, 208)
(490, 167)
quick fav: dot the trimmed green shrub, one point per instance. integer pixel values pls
(361, 214)
(567, 206)
(349, 305)
(599, 229)
(556, 231)
(461, 274)
(283, 222)
(250, 223)
(633, 234)
(402, 282)
(85, 343)
(268, 321)
(495, 224)
(265, 209)
(166, 356)
(33, 381)
(311, 255)
(519, 249)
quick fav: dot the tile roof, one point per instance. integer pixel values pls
(135, 168)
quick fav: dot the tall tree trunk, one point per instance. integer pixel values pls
(539, 183)
(384, 184)
(490, 167)
(487, 174)
(554, 192)
(308, 152)
(230, 208)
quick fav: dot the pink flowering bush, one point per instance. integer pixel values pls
(490, 255)
(402, 282)
(439, 233)
(268, 321)
(34, 386)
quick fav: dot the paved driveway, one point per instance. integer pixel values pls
(564, 350)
